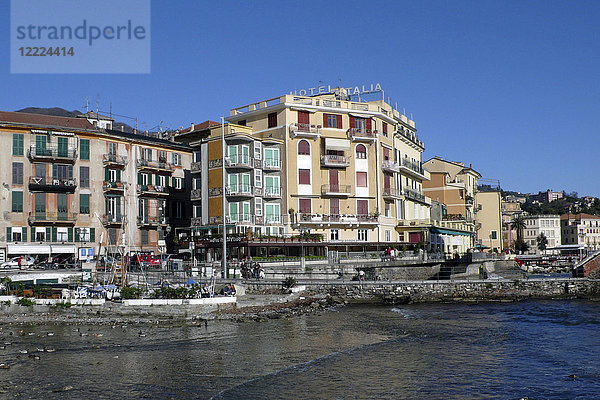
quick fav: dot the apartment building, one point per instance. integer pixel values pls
(74, 185)
(510, 209)
(446, 235)
(580, 229)
(535, 225)
(453, 184)
(546, 197)
(352, 170)
(489, 218)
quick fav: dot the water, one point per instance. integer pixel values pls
(534, 349)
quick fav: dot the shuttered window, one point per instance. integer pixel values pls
(84, 149)
(84, 203)
(304, 176)
(304, 206)
(17, 201)
(17, 144)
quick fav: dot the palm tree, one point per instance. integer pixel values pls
(542, 242)
(518, 224)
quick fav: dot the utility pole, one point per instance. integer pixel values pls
(225, 273)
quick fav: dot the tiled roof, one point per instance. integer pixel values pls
(199, 127)
(45, 120)
(579, 216)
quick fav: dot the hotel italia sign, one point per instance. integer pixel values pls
(351, 90)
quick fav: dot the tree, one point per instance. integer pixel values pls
(518, 224)
(521, 246)
(542, 242)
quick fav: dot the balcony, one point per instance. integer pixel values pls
(273, 220)
(239, 191)
(52, 218)
(113, 187)
(196, 167)
(151, 221)
(414, 223)
(340, 220)
(272, 192)
(112, 220)
(335, 161)
(414, 195)
(239, 219)
(152, 190)
(38, 184)
(239, 161)
(391, 193)
(362, 135)
(196, 221)
(271, 164)
(414, 169)
(157, 166)
(390, 166)
(305, 130)
(113, 160)
(196, 194)
(52, 153)
(409, 138)
(335, 190)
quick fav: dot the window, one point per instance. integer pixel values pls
(17, 201)
(112, 149)
(82, 234)
(272, 185)
(146, 154)
(272, 213)
(494, 235)
(84, 149)
(84, 203)
(303, 148)
(271, 157)
(334, 206)
(361, 179)
(384, 128)
(62, 235)
(145, 238)
(362, 207)
(258, 203)
(388, 207)
(143, 179)
(197, 211)
(272, 120)
(304, 206)
(233, 212)
(17, 144)
(84, 177)
(17, 173)
(388, 235)
(304, 176)
(176, 157)
(332, 121)
(178, 209)
(362, 235)
(178, 183)
(16, 234)
(242, 122)
(361, 151)
(161, 180)
(304, 121)
(334, 234)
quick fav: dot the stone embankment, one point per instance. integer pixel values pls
(453, 291)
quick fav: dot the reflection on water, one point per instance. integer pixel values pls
(538, 349)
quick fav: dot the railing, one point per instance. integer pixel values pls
(152, 189)
(52, 216)
(272, 191)
(411, 136)
(152, 220)
(335, 160)
(336, 218)
(110, 219)
(52, 183)
(270, 163)
(413, 166)
(196, 167)
(196, 194)
(114, 159)
(242, 189)
(335, 189)
(305, 128)
(53, 152)
(414, 195)
(110, 185)
(239, 160)
(391, 192)
(196, 221)
(162, 165)
(240, 218)
(390, 165)
(356, 133)
(414, 222)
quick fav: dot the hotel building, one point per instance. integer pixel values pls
(535, 225)
(73, 183)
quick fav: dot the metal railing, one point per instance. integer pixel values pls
(239, 160)
(152, 220)
(305, 128)
(335, 189)
(52, 216)
(111, 219)
(414, 166)
(196, 167)
(272, 191)
(162, 165)
(390, 165)
(53, 182)
(362, 133)
(270, 163)
(152, 189)
(391, 192)
(113, 185)
(196, 194)
(413, 194)
(237, 190)
(68, 153)
(114, 159)
(335, 160)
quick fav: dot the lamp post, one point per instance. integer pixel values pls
(225, 273)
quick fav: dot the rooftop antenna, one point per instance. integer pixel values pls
(97, 103)
(87, 105)
(110, 110)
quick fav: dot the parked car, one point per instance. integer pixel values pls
(27, 262)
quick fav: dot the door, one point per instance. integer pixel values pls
(40, 145)
(245, 155)
(63, 147)
(62, 206)
(304, 121)
(233, 154)
(334, 208)
(334, 183)
(387, 181)
(40, 206)
(246, 183)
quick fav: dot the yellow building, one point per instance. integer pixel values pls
(489, 216)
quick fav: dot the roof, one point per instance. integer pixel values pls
(199, 127)
(150, 139)
(45, 120)
(95, 115)
(579, 216)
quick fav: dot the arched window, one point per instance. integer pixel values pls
(361, 151)
(303, 148)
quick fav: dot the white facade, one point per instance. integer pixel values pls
(535, 225)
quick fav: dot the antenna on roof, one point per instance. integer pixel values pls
(87, 105)
(97, 103)
(110, 110)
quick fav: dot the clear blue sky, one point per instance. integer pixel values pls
(509, 86)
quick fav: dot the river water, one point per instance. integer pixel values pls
(533, 349)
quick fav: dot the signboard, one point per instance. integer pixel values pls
(351, 90)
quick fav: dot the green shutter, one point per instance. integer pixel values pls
(156, 179)
(139, 178)
(118, 175)
(76, 234)
(48, 233)
(33, 234)
(92, 234)
(24, 233)
(183, 182)
(69, 234)
(8, 234)
(84, 154)
(17, 201)
(54, 234)
(84, 203)
(106, 174)
(17, 144)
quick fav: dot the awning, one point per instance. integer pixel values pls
(360, 115)
(449, 232)
(20, 249)
(337, 144)
(310, 110)
(63, 249)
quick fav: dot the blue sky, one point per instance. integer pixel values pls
(511, 87)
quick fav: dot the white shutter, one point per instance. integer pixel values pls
(257, 151)
(258, 178)
(258, 206)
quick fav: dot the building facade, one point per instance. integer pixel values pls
(510, 209)
(580, 229)
(74, 186)
(535, 225)
(489, 217)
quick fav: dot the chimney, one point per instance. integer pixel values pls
(122, 128)
(470, 165)
(192, 130)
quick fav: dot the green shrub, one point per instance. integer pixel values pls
(289, 282)
(24, 301)
(129, 292)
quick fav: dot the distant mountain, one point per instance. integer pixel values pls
(61, 112)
